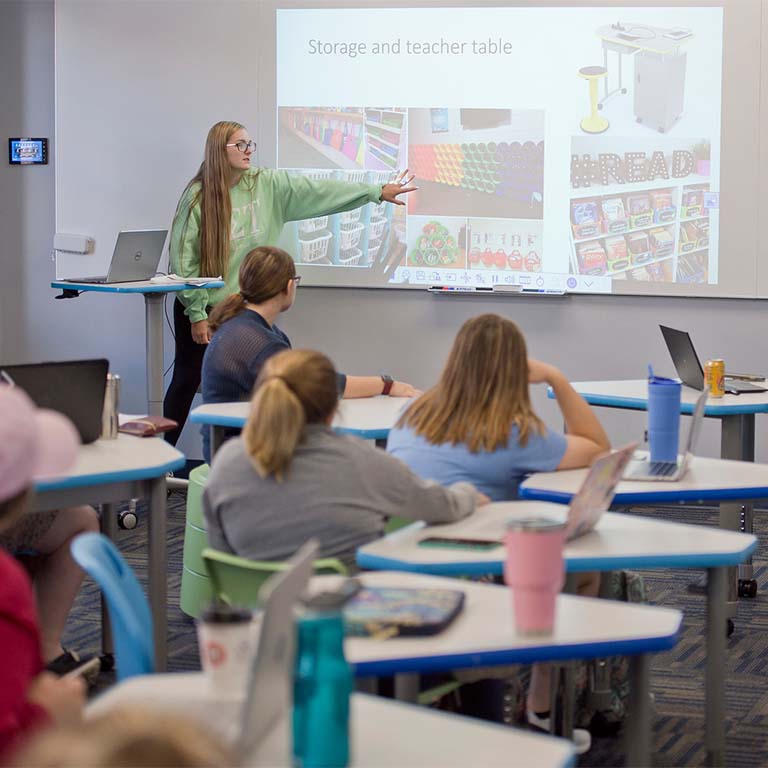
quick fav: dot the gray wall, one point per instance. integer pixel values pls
(401, 332)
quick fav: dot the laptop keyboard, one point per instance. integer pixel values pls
(662, 468)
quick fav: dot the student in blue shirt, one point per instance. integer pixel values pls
(477, 425)
(245, 335)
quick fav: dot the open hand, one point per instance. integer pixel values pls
(400, 186)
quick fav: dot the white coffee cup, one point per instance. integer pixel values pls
(227, 638)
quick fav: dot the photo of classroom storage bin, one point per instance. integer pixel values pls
(320, 137)
(477, 162)
(348, 239)
(439, 243)
(504, 245)
(385, 139)
(693, 238)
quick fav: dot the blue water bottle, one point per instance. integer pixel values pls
(322, 685)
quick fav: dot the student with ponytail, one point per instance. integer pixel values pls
(245, 335)
(227, 210)
(290, 477)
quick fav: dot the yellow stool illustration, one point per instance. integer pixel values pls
(595, 123)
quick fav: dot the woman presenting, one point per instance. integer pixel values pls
(227, 210)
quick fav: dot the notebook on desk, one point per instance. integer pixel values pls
(670, 471)
(135, 258)
(688, 365)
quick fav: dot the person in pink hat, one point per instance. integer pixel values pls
(34, 443)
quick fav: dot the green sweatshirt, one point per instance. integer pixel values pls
(262, 201)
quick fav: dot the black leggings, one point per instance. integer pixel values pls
(187, 365)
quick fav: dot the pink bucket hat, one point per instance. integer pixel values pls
(33, 442)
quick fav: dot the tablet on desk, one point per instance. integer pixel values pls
(446, 542)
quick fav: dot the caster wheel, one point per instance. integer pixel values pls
(730, 626)
(599, 106)
(127, 520)
(639, 119)
(661, 130)
(623, 91)
(747, 588)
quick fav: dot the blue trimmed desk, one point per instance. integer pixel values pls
(618, 541)
(109, 471)
(484, 635)
(737, 434)
(424, 736)
(154, 296)
(369, 418)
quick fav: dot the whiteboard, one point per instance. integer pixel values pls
(139, 84)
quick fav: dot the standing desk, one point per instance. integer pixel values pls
(154, 297)
(369, 418)
(424, 736)
(484, 635)
(737, 436)
(618, 541)
(108, 471)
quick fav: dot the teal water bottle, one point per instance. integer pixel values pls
(322, 686)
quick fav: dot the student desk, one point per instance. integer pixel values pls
(619, 541)
(737, 433)
(108, 471)
(369, 418)
(154, 298)
(424, 736)
(484, 635)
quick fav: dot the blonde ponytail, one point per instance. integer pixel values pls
(294, 388)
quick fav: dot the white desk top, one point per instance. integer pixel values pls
(618, 541)
(648, 38)
(139, 286)
(707, 480)
(367, 417)
(633, 394)
(425, 737)
(484, 633)
(124, 459)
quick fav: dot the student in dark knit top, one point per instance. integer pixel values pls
(245, 336)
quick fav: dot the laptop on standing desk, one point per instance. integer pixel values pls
(688, 365)
(669, 471)
(136, 256)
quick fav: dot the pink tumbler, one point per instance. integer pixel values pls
(535, 572)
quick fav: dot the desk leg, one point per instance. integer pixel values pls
(153, 326)
(639, 720)
(407, 687)
(217, 438)
(109, 529)
(717, 589)
(156, 570)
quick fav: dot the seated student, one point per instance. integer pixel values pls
(245, 335)
(290, 477)
(477, 425)
(32, 443)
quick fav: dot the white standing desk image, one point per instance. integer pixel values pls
(618, 541)
(109, 471)
(154, 296)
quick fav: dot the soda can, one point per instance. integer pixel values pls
(109, 417)
(714, 378)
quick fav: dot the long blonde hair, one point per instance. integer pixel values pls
(294, 388)
(482, 391)
(214, 199)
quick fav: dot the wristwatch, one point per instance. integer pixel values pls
(388, 382)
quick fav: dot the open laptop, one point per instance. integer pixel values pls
(688, 365)
(597, 491)
(73, 387)
(645, 469)
(136, 256)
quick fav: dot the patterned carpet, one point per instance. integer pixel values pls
(678, 676)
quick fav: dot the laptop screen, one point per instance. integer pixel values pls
(684, 357)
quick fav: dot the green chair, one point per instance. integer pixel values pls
(237, 580)
(196, 590)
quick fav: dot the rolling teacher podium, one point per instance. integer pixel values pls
(154, 296)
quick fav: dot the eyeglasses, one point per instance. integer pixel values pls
(243, 146)
(296, 279)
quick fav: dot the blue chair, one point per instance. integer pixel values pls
(129, 613)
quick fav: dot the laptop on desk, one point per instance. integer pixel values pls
(135, 258)
(670, 471)
(73, 387)
(688, 365)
